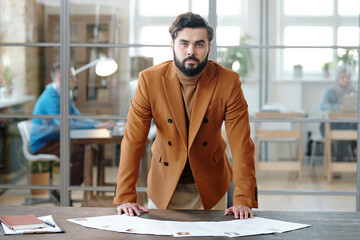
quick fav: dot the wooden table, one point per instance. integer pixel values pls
(102, 137)
(331, 167)
(89, 140)
(279, 135)
(324, 225)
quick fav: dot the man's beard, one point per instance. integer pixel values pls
(190, 71)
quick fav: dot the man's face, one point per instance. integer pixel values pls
(73, 78)
(191, 50)
(344, 79)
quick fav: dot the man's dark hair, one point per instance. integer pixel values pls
(55, 71)
(190, 20)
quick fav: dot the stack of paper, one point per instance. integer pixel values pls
(48, 226)
(233, 228)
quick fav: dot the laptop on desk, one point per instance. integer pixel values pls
(350, 103)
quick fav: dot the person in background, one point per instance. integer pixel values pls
(334, 95)
(332, 101)
(188, 99)
(45, 133)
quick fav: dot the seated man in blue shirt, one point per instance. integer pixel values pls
(45, 133)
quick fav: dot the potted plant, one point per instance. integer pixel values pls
(239, 60)
(326, 68)
(39, 174)
(6, 85)
(297, 71)
(348, 58)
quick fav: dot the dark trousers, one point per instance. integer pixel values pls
(76, 160)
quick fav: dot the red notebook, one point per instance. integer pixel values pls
(22, 222)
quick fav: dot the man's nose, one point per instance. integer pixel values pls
(191, 50)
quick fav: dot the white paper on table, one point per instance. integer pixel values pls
(191, 229)
(275, 225)
(254, 226)
(239, 227)
(232, 228)
(125, 224)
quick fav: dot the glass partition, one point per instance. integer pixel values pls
(111, 95)
(287, 56)
(28, 19)
(24, 73)
(22, 166)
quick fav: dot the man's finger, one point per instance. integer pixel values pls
(236, 213)
(244, 213)
(125, 210)
(143, 209)
(134, 209)
(228, 211)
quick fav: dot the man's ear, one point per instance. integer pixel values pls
(210, 45)
(172, 44)
(58, 80)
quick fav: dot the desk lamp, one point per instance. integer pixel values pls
(104, 66)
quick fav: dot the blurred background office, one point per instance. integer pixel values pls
(286, 52)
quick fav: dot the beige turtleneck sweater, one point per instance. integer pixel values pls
(188, 89)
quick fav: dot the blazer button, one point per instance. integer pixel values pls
(170, 144)
(204, 144)
(205, 120)
(169, 120)
(166, 164)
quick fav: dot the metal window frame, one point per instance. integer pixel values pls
(264, 47)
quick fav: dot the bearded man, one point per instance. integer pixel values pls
(189, 98)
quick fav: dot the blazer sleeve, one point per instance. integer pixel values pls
(242, 147)
(133, 143)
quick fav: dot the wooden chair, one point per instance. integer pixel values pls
(276, 135)
(337, 135)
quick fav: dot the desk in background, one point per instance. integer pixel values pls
(101, 137)
(324, 225)
(337, 135)
(90, 137)
(278, 135)
(15, 100)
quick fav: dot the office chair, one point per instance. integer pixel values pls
(24, 129)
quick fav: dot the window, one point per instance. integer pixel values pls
(325, 23)
(262, 40)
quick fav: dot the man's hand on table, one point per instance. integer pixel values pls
(129, 209)
(132, 209)
(240, 211)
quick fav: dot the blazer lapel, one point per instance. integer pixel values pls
(174, 97)
(203, 94)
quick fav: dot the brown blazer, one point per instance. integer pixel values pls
(218, 98)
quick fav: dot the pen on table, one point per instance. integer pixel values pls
(49, 223)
